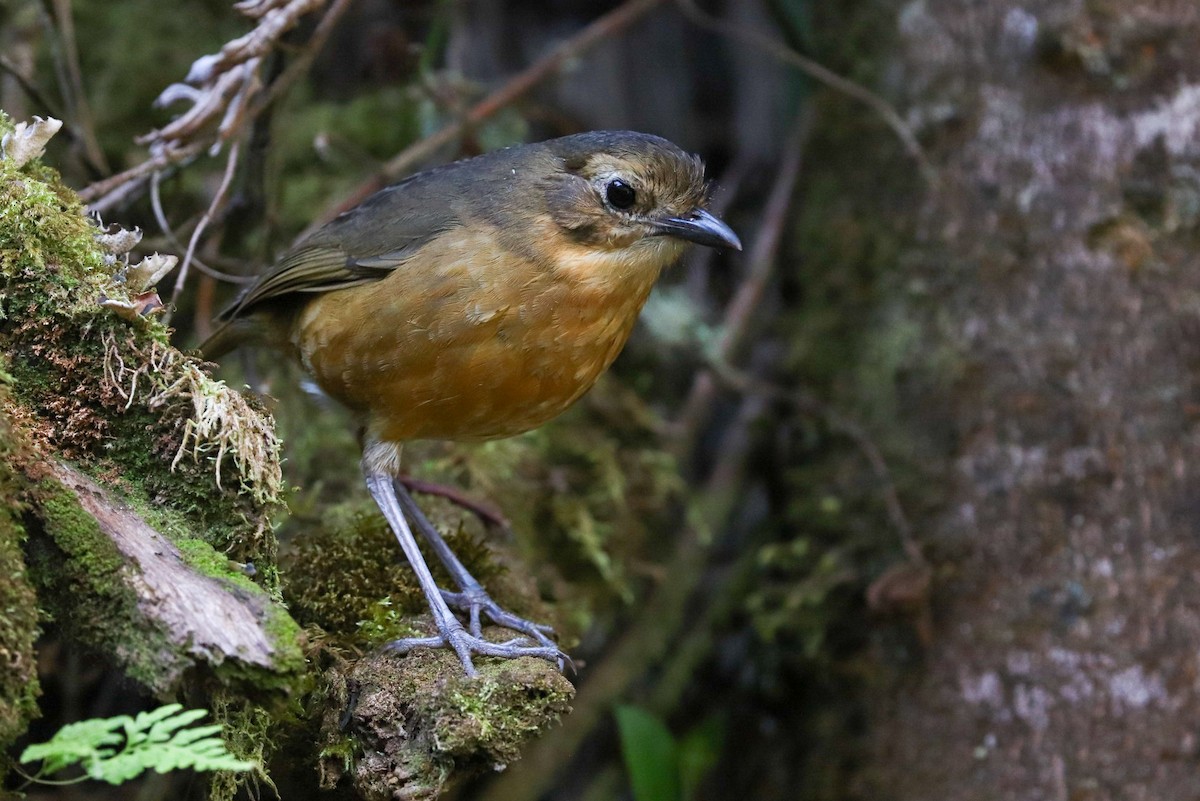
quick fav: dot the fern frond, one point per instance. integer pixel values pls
(159, 739)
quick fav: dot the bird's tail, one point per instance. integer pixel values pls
(231, 335)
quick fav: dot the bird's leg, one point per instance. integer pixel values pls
(471, 598)
(450, 632)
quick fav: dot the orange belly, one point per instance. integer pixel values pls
(466, 353)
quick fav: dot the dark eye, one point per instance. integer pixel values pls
(620, 194)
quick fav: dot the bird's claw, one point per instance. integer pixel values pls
(475, 601)
(466, 644)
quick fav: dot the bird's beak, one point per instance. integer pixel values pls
(699, 227)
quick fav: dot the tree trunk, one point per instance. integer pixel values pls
(1053, 277)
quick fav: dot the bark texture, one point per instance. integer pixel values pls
(1055, 281)
(205, 619)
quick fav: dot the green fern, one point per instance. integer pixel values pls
(115, 750)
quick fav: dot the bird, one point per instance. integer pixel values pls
(473, 301)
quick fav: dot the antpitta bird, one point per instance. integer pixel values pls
(474, 301)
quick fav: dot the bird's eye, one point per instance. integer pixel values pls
(620, 194)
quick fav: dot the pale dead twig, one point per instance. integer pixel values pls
(304, 60)
(160, 217)
(218, 202)
(108, 192)
(222, 85)
(223, 89)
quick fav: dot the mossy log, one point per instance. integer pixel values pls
(186, 606)
(415, 722)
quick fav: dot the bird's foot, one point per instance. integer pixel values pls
(475, 602)
(466, 644)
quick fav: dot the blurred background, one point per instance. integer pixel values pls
(898, 503)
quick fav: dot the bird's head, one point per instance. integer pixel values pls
(634, 193)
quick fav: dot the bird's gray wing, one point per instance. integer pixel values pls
(364, 244)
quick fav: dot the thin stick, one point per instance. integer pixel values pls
(817, 71)
(96, 195)
(78, 97)
(217, 203)
(105, 193)
(300, 65)
(160, 217)
(488, 514)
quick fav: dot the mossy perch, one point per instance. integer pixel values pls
(196, 617)
(405, 726)
(19, 618)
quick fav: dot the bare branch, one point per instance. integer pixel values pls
(214, 207)
(223, 89)
(160, 217)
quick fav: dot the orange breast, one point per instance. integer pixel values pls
(464, 346)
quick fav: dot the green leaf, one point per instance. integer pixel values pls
(159, 739)
(698, 753)
(651, 756)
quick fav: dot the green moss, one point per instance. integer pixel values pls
(19, 687)
(419, 720)
(203, 558)
(195, 460)
(111, 393)
(348, 576)
(340, 751)
(248, 731)
(76, 560)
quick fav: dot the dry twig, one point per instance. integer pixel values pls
(160, 216)
(214, 208)
(225, 91)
